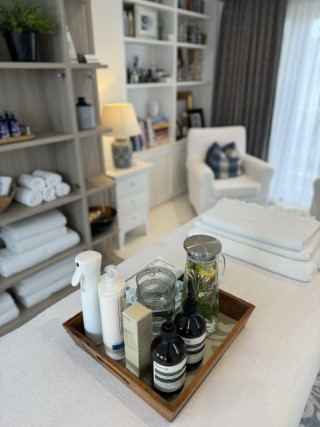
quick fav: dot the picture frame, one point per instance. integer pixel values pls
(195, 117)
(146, 22)
(187, 98)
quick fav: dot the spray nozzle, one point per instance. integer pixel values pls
(111, 271)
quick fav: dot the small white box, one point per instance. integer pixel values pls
(137, 327)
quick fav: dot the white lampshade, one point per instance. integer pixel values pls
(121, 119)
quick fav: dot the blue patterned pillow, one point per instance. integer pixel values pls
(224, 160)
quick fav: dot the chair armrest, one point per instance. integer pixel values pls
(200, 184)
(260, 171)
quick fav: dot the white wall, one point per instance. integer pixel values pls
(109, 48)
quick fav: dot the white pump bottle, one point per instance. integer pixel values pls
(112, 297)
(88, 266)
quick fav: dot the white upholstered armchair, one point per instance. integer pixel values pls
(204, 189)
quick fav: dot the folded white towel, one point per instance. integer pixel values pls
(257, 222)
(52, 179)
(10, 315)
(14, 263)
(62, 189)
(32, 182)
(30, 198)
(41, 295)
(297, 270)
(304, 255)
(48, 194)
(44, 278)
(6, 302)
(22, 246)
(5, 182)
(30, 227)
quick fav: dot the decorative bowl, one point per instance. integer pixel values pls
(101, 217)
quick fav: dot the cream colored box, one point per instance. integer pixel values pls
(137, 327)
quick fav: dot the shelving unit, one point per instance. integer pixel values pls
(43, 96)
(168, 176)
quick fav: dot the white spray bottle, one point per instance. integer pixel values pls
(88, 266)
(112, 297)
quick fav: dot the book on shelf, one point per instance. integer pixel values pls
(153, 132)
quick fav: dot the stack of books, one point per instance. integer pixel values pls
(154, 132)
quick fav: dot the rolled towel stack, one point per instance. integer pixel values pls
(34, 240)
(277, 241)
(8, 308)
(48, 194)
(54, 181)
(31, 182)
(42, 285)
(28, 197)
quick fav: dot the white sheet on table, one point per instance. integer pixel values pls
(37, 224)
(44, 278)
(304, 255)
(298, 270)
(14, 263)
(260, 223)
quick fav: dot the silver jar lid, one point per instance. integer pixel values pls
(202, 247)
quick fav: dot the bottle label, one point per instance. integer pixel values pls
(169, 378)
(195, 348)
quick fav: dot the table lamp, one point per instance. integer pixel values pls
(122, 120)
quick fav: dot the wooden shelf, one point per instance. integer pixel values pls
(85, 66)
(99, 130)
(193, 15)
(32, 65)
(192, 83)
(98, 183)
(149, 85)
(42, 138)
(192, 46)
(156, 42)
(159, 6)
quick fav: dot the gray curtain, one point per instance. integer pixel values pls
(246, 68)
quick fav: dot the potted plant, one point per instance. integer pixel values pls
(20, 23)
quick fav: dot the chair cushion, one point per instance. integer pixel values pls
(238, 187)
(224, 160)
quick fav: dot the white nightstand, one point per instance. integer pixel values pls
(131, 196)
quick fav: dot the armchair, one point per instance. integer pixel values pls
(204, 190)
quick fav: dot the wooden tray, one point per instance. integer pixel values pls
(13, 139)
(234, 313)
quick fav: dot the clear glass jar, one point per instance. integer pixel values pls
(205, 267)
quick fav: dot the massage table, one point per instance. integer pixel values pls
(263, 380)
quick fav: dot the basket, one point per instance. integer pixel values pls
(5, 201)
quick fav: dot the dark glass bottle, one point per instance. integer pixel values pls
(191, 327)
(13, 125)
(168, 354)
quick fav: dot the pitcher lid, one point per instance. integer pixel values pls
(202, 247)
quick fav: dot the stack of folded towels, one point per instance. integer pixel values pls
(42, 285)
(281, 242)
(41, 186)
(8, 309)
(34, 240)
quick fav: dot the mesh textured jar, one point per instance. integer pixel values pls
(205, 267)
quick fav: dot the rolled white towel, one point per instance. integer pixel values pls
(29, 227)
(28, 197)
(10, 315)
(49, 194)
(52, 179)
(32, 182)
(5, 182)
(62, 189)
(6, 302)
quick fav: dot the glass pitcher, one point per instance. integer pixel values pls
(205, 267)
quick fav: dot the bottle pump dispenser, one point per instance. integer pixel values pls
(88, 266)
